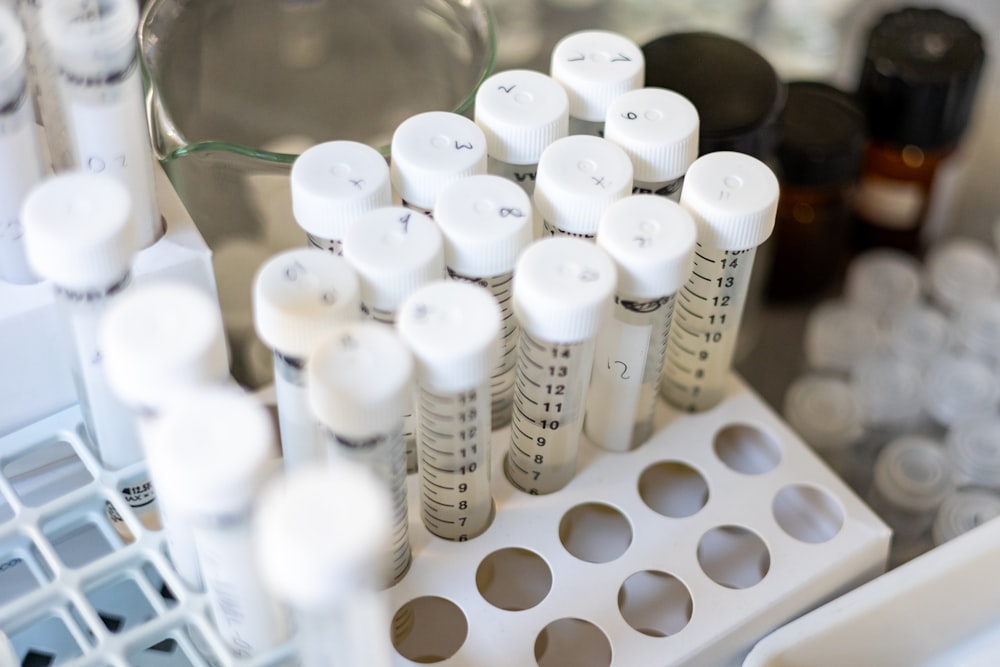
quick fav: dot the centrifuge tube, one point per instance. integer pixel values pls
(395, 250)
(973, 447)
(453, 331)
(651, 239)
(826, 413)
(962, 511)
(332, 185)
(299, 296)
(318, 534)
(360, 384)
(733, 198)
(563, 289)
(486, 222)
(882, 280)
(216, 449)
(658, 129)
(93, 45)
(79, 235)
(837, 334)
(959, 270)
(520, 112)
(595, 67)
(578, 178)
(431, 149)
(20, 158)
(957, 387)
(912, 477)
(160, 341)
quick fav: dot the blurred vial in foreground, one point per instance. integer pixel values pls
(973, 446)
(962, 511)
(912, 478)
(881, 280)
(837, 334)
(827, 415)
(960, 270)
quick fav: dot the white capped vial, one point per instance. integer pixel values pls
(563, 289)
(826, 413)
(79, 235)
(651, 240)
(94, 48)
(962, 511)
(595, 67)
(318, 534)
(658, 129)
(956, 387)
(977, 329)
(360, 380)
(911, 479)
(160, 341)
(299, 296)
(917, 333)
(453, 330)
(20, 155)
(430, 150)
(733, 199)
(216, 448)
(578, 178)
(959, 270)
(332, 185)
(889, 391)
(486, 222)
(973, 446)
(838, 334)
(521, 112)
(883, 279)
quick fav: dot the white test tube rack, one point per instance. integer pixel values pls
(74, 590)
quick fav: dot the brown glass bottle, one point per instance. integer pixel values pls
(917, 88)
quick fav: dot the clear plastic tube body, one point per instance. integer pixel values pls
(336, 246)
(102, 95)
(301, 439)
(550, 393)
(705, 328)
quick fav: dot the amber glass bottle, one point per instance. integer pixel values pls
(917, 88)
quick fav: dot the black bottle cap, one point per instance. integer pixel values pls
(919, 78)
(736, 91)
(821, 136)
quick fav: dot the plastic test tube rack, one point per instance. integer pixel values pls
(718, 530)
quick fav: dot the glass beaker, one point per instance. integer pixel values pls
(238, 88)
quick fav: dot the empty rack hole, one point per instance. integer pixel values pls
(120, 604)
(808, 513)
(733, 556)
(429, 629)
(513, 579)
(572, 641)
(45, 641)
(22, 568)
(747, 449)
(171, 648)
(595, 532)
(83, 534)
(46, 472)
(673, 489)
(655, 603)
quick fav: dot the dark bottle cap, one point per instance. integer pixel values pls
(919, 78)
(736, 91)
(821, 136)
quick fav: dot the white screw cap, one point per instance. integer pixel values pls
(319, 533)
(917, 332)
(78, 230)
(431, 149)
(595, 67)
(957, 387)
(13, 47)
(824, 411)
(837, 334)
(160, 340)
(299, 295)
(962, 511)
(213, 448)
(959, 270)
(652, 241)
(521, 112)
(563, 289)
(733, 197)
(453, 330)
(658, 129)
(394, 251)
(360, 379)
(486, 222)
(973, 445)
(334, 183)
(91, 39)
(882, 280)
(888, 389)
(577, 178)
(913, 474)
